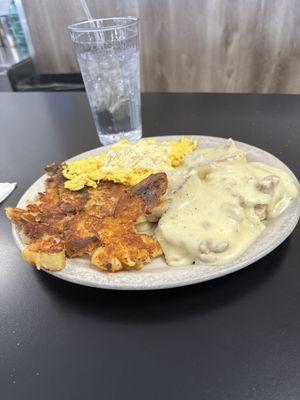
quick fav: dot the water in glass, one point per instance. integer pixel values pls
(111, 74)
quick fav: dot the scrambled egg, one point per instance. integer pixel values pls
(128, 163)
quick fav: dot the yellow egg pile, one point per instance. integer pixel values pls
(128, 163)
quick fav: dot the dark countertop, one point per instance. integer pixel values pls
(236, 337)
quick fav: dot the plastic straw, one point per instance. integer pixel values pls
(89, 17)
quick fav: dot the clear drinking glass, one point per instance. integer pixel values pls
(108, 54)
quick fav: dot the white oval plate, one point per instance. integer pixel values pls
(157, 274)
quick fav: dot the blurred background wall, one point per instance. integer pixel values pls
(186, 45)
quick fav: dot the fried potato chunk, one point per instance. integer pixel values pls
(103, 200)
(47, 252)
(122, 247)
(28, 223)
(80, 236)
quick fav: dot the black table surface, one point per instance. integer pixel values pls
(237, 337)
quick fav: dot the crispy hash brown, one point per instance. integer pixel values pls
(98, 222)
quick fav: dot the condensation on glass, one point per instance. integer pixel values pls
(108, 54)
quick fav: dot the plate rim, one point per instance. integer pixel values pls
(180, 283)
